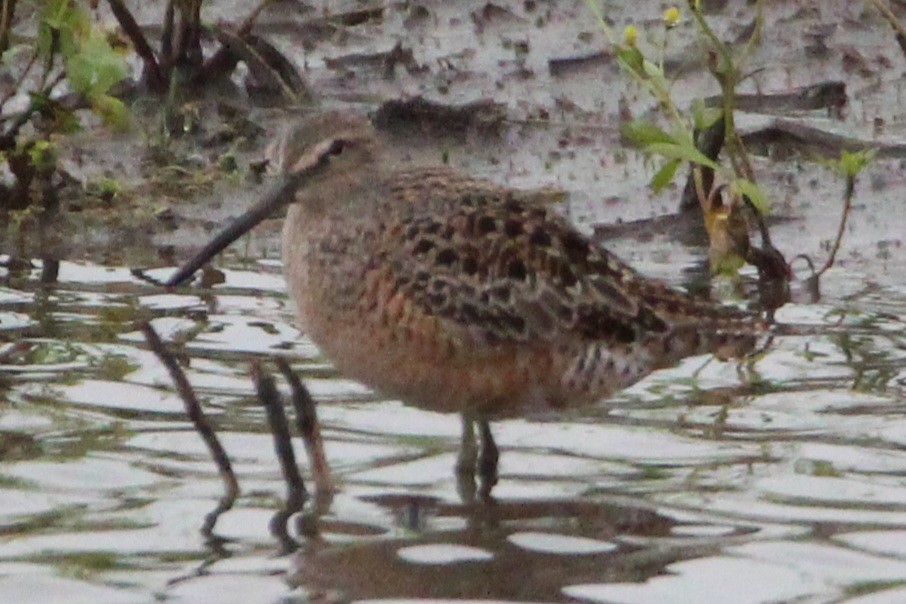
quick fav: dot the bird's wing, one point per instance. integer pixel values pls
(494, 259)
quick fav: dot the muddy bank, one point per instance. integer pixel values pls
(536, 99)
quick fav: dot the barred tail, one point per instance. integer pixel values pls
(725, 340)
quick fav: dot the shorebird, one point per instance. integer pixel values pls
(456, 294)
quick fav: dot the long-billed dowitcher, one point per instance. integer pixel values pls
(460, 295)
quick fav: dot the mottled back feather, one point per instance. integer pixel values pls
(460, 294)
(504, 261)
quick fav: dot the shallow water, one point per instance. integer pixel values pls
(775, 479)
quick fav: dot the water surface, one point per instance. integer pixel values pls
(776, 478)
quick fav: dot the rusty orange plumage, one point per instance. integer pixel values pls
(456, 294)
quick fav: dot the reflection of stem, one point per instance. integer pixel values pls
(847, 206)
(200, 421)
(219, 552)
(211, 518)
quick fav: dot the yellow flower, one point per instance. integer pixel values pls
(671, 17)
(630, 35)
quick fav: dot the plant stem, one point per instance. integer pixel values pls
(7, 9)
(18, 84)
(608, 33)
(847, 206)
(153, 74)
(728, 80)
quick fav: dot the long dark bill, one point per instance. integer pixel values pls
(282, 194)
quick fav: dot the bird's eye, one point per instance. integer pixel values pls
(337, 147)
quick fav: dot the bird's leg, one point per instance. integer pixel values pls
(487, 461)
(465, 462)
(296, 493)
(310, 431)
(202, 426)
(468, 452)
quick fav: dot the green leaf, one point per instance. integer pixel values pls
(681, 152)
(657, 78)
(853, 163)
(742, 186)
(92, 65)
(664, 176)
(642, 133)
(55, 13)
(631, 59)
(111, 110)
(96, 66)
(65, 21)
(703, 116)
(42, 155)
(683, 136)
(652, 70)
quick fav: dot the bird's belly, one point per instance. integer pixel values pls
(498, 380)
(395, 347)
(432, 374)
